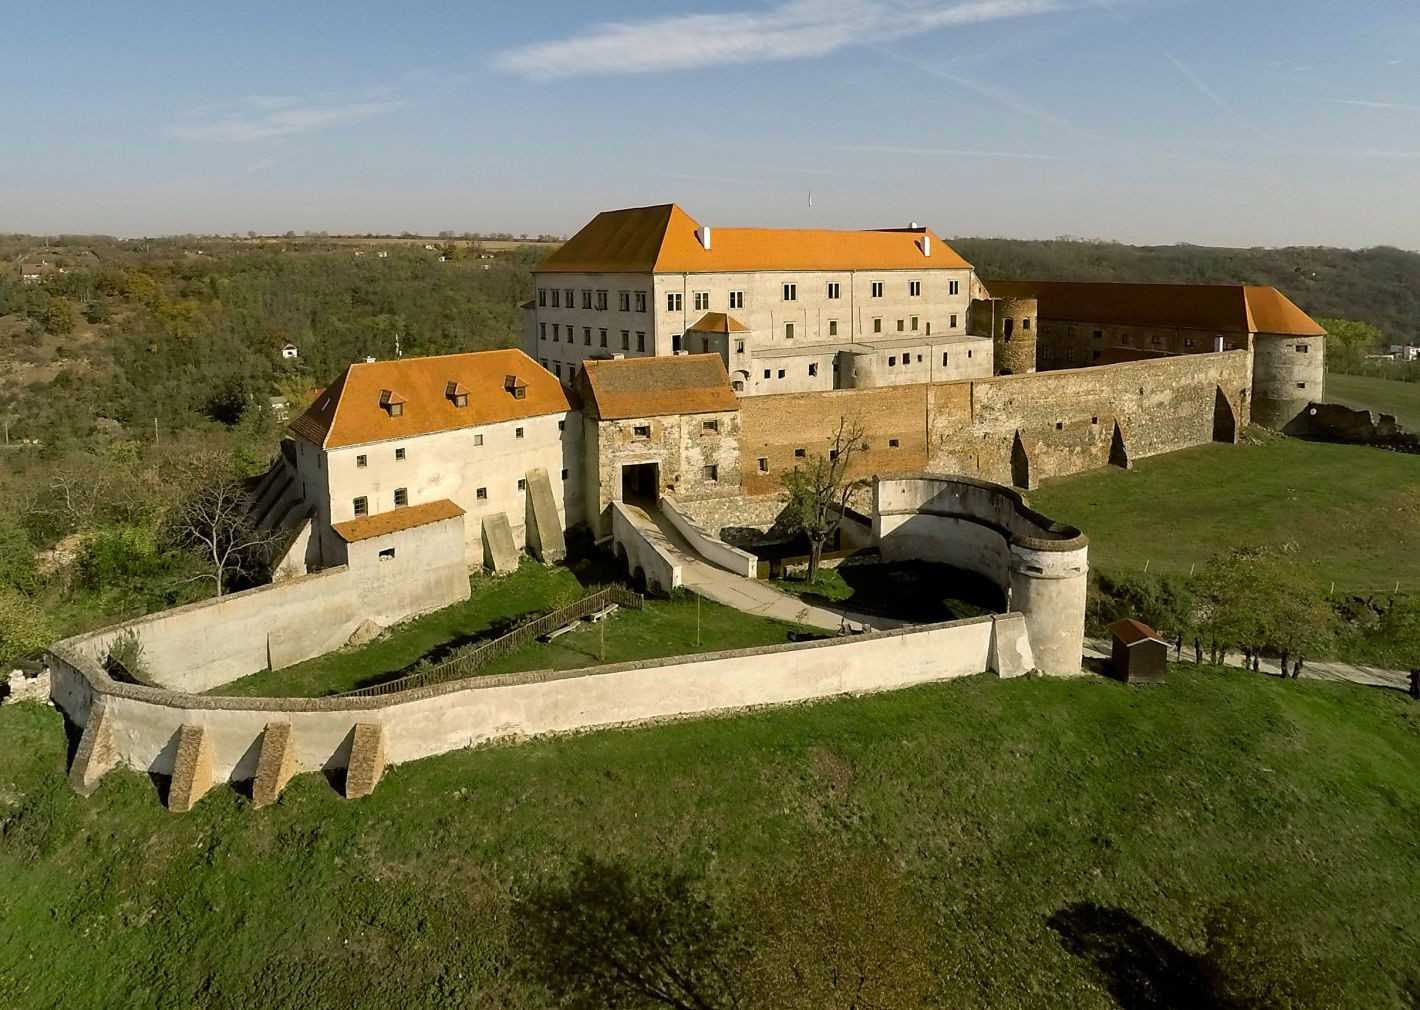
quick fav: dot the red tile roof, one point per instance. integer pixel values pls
(620, 388)
(385, 523)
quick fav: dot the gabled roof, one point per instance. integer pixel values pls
(349, 412)
(1224, 308)
(385, 523)
(719, 322)
(619, 388)
(664, 239)
(1132, 632)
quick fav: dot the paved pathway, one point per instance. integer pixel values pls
(1371, 676)
(749, 595)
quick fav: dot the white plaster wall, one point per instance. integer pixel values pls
(717, 552)
(533, 704)
(452, 465)
(645, 548)
(570, 355)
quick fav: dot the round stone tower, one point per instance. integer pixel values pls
(1012, 324)
(1288, 373)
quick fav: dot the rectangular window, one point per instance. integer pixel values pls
(482, 494)
(641, 430)
(1187, 341)
(640, 301)
(626, 340)
(1301, 385)
(766, 373)
(737, 299)
(954, 322)
(710, 427)
(1302, 349)
(813, 367)
(954, 288)
(399, 453)
(587, 335)
(739, 346)
(673, 301)
(914, 323)
(522, 484)
(556, 298)
(892, 443)
(833, 327)
(561, 425)
(557, 369)
(387, 554)
(781, 373)
(542, 297)
(542, 331)
(601, 300)
(914, 289)
(791, 292)
(401, 497)
(477, 439)
(877, 289)
(361, 461)
(1025, 323)
(517, 432)
(900, 326)
(556, 330)
(763, 462)
(571, 298)
(361, 506)
(702, 301)
(800, 454)
(710, 474)
(602, 333)
(564, 473)
(944, 359)
(640, 340)
(833, 289)
(623, 301)
(877, 324)
(586, 298)
(788, 331)
(892, 361)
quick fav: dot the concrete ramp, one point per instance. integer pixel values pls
(545, 538)
(499, 553)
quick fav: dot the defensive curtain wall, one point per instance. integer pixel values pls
(1014, 429)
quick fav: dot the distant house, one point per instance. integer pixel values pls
(289, 352)
(37, 273)
(1405, 352)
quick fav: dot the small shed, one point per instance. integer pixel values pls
(1139, 655)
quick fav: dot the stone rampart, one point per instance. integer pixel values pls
(144, 728)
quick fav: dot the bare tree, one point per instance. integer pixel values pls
(820, 489)
(213, 520)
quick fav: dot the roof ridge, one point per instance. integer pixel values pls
(339, 394)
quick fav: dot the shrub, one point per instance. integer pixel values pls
(126, 659)
(24, 630)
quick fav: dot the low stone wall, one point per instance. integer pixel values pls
(642, 546)
(717, 552)
(716, 515)
(1041, 565)
(207, 644)
(148, 729)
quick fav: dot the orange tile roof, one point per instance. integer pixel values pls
(619, 388)
(719, 322)
(1226, 308)
(664, 239)
(350, 411)
(385, 523)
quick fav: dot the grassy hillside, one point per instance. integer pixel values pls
(1380, 286)
(1035, 843)
(1399, 398)
(1353, 511)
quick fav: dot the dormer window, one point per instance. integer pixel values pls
(392, 402)
(516, 386)
(456, 393)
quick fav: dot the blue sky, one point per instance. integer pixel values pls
(1241, 122)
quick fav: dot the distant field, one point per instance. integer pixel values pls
(1399, 398)
(491, 244)
(1353, 511)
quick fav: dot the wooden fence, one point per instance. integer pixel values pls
(466, 664)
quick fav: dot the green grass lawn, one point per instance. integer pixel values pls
(984, 809)
(912, 591)
(1399, 398)
(1352, 511)
(663, 628)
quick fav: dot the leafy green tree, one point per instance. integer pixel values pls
(59, 317)
(819, 491)
(1348, 341)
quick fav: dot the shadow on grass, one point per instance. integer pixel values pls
(912, 591)
(1140, 968)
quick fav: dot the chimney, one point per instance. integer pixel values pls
(926, 244)
(705, 236)
(912, 225)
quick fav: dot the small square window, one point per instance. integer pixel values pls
(892, 361)
(800, 454)
(1025, 323)
(914, 323)
(892, 443)
(482, 494)
(561, 425)
(899, 326)
(788, 331)
(1095, 419)
(361, 506)
(833, 289)
(914, 289)
(737, 299)
(739, 346)
(387, 554)
(522, 484)
(833, 327)
(781, 373)
(763, 462)
(564, 473)
(877, 289)
(954, 322)
(1059, 425)
(477, 440)
(517, 432)
(813, 367)
(674, 301)
(362, 461)
(641, 431)
(1302, 349)
(877, 324)
(791, 292)
(766, 373)
(954, 288)
(710, 473)
(1301, 385)
(399, 453)
(710, 427)
(401, 497)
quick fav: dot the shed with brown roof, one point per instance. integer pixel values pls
(620, 388)
(374, 401)
(1138, 655)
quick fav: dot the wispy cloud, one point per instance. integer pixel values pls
(790, 30)
(1200, 84)
(948, 152)
(264, 117)
(1362, 103)
(991, 92)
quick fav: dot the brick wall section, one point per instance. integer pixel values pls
(1066, 419)
(367, 760)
